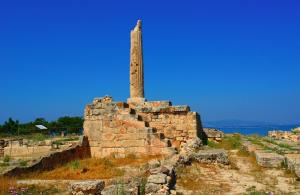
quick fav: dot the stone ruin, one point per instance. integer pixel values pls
(292, 136)
(138, 126)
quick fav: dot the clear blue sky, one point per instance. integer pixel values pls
(226, 59)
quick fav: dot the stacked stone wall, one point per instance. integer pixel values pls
(176, 123)
(115, 129)
(54, 159)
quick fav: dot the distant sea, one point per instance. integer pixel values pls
(260, 129)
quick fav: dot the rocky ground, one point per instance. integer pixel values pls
(236, 165)
(242, 176)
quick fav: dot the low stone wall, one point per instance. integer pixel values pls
(54, 159)
(26, 151)
(176, 123)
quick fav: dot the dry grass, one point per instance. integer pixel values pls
(92, 168)
(253, 164)
(5, 184)
(191, 178)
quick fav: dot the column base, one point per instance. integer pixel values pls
(136, 100)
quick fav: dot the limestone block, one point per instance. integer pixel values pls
(293, 163)
(157, 104)
(180, 108)
(211, 156)
(169, 132)
(108, 151)
(152, 188)
(108, 136)
(132, 143)
(136, 150)
(132, 136)
(87, 187)
(110, 144)
(92, 129)
(158, 143)
(159, 178)
(268, 159)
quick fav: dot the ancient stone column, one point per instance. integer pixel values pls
(136, 65)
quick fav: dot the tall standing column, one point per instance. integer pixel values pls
(136, 65)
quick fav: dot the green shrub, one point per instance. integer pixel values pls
(23, 163)
(6, 158)
(142, 188)
(230, 142)
(38, 137)
(4, 164)
(74, 164)
(212, 144)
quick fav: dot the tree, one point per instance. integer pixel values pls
(40, 121)
(10, 126)
(70, 124)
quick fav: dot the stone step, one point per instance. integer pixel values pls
(268, 159)
(127, 111)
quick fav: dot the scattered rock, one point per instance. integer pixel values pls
(153, 164)
(293, 163)
(152, 188)
(249, 147)
(87, 187)
(296, 130)
(192, 145)
(159, 178)
(268, 159)
(213, 134)
(211, 156)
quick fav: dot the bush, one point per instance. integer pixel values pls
(74, 164)
(39, 137)
(212, 144)
(23, 163)
(4, 164)
(6, 158)
(230, 142)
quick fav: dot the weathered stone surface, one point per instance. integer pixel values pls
(136, 64)
(162, 169)
(213, 134)
(296, 130)
(151, 188)
(293, 163)
(249, 147)
(87, 187)
(211, 156)
(157, 178)
(154, 164)
(53, 159)
(285, 135)
(192, 145)
(268, 159)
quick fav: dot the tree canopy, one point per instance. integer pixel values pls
(67, 124)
